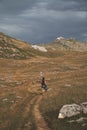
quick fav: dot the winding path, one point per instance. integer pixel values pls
(28, 117)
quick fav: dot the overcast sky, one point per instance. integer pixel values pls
(42, 21)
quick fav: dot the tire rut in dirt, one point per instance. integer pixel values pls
(28, 121)
(39, 120)
(21, 113)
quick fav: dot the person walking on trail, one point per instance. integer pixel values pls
(43, 84)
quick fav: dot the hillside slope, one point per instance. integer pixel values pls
(13, 48)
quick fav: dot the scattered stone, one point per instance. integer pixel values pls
(12, 101)
(18, 83)
(71, 121)
(2, 79)
(19, 97)
(84, 107)
(81, 119)
(3, 86)
(28, 124)
(84, 124)
(67, 85)
(5, 99)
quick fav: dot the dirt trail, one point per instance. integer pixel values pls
(32, 117)
(40, 122)
(25, 122)
(28, 118)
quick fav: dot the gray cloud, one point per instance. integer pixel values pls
(42, 21)
(64, 5)
(14, 7)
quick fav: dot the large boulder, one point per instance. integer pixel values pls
(84, 107)
(69, 111)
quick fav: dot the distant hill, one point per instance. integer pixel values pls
(61, 43)
(17, 49)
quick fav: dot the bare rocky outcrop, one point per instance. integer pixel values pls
(71, 110)
(68, 44)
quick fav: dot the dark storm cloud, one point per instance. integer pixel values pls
(39, 21)
(64, 5)
(12, 7)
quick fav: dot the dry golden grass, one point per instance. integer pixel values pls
(66, 75)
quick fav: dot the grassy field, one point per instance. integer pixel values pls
(68, 85)
(66, 75)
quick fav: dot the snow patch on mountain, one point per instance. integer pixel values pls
(59, 38)
(39, 48)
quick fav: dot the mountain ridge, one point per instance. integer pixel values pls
(68, 44)
(14, 48)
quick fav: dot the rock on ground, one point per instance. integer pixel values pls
(69, 111)
(84, 107)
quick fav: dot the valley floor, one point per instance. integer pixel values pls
(23, 107)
